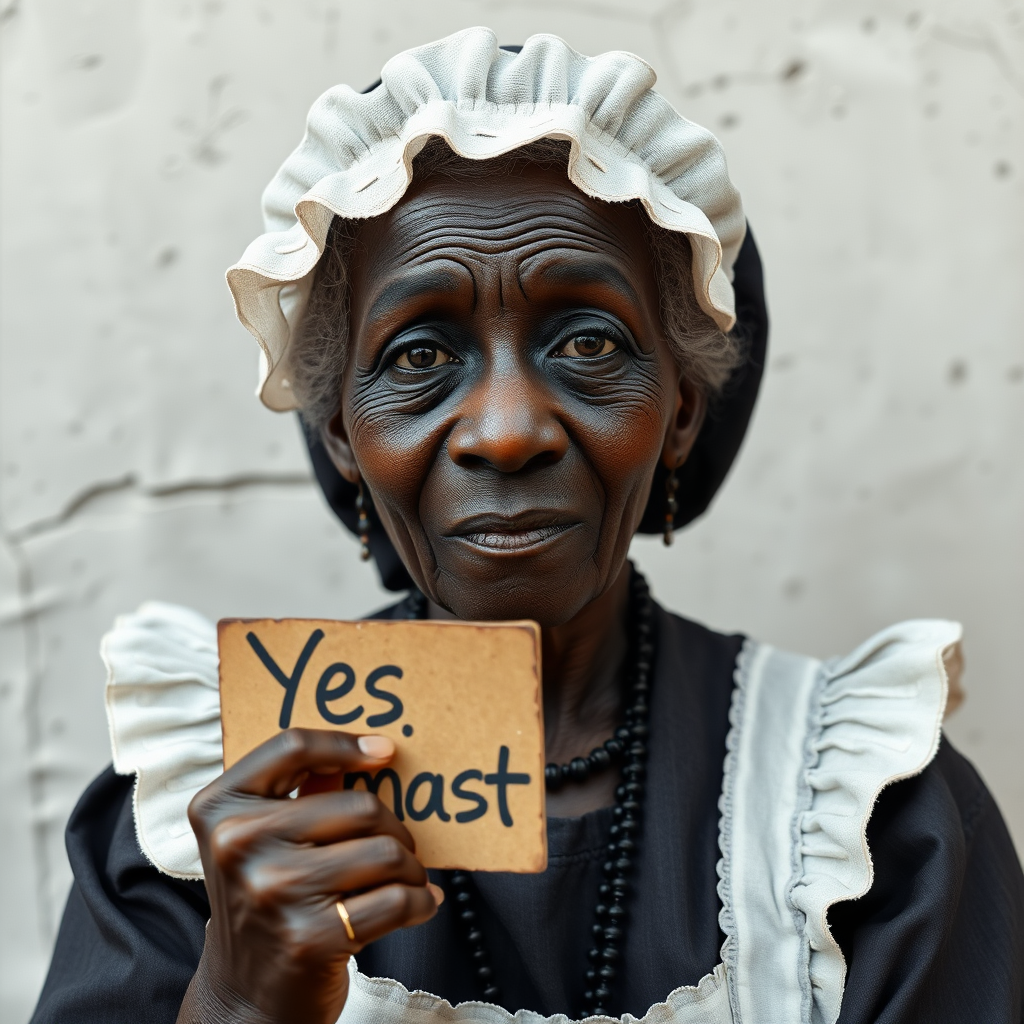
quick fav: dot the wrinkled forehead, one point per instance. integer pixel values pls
(533, 224)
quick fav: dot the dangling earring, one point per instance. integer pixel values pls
(671, 507)
(364, 524)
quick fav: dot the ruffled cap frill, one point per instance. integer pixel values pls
(355, 161)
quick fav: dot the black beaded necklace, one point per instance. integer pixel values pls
(628, 744)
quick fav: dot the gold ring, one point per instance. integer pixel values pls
(346, 920)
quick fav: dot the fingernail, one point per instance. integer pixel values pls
(437, 892)
(378, 747)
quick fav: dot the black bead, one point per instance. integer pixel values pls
(553, 777)
(599, 758)
(459, 879)
(616, 914)
(590, 975)
(588, 997)
(463, 897)
(468, 915)
(491, 992)
(620, 884)
(475, 936)
(600, 910)
(639, 731)
(594, 954)
(634, 788)
(603, 992)
(622, 733)
(603, 890)
(483, 972)
(630, 807)
(612, 934)
(627, 846)
(624, 865)
(628, 825)
(614, 746)
(597, 930)
(610, 953)
(607, 972)
(480, 956)
(579, 770)
(608, 868)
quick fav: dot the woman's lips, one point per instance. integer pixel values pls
(511, 533)
(513, 540)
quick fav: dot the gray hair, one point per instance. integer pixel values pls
(704, 353)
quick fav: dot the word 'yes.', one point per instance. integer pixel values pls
(326, 693)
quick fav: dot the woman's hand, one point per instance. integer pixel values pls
(276, 947)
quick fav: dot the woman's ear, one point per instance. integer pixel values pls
(335, 440)
(691, 406)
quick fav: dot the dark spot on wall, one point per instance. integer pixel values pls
(167, 256)
(729, 120)
(720, 82)
(793, 70)
(87, 61)
(793, 588)
(957, 372)
(1015, 374)
(913, 19)
(1002, 169)
(869, 25)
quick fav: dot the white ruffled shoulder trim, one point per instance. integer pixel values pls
(163, 710)
(811, 747)
(355, 161)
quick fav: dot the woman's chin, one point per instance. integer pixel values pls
(546, 578)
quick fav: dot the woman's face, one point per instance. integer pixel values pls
(509, 390)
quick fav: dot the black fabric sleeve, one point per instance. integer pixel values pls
(131, 937)
(939, 939)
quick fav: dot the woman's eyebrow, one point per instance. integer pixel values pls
(410, 286)
(580, 271)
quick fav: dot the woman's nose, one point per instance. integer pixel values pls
(509, 423)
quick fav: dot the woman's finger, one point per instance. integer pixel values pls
(275, 768)
(352, 866)
(376, 913)
(322, 819)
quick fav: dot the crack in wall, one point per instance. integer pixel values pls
(130, 483)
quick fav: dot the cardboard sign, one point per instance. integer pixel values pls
(462, 702)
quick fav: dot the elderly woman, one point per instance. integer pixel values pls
(513, 295)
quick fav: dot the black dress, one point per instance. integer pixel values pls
(939, 938)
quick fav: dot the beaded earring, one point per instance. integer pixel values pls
(364, 524)
(671, 508)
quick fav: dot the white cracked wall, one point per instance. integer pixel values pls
(878, 146)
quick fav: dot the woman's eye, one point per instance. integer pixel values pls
(587, 346)
(422, 357)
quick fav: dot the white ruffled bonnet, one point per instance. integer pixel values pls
(355, 161)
